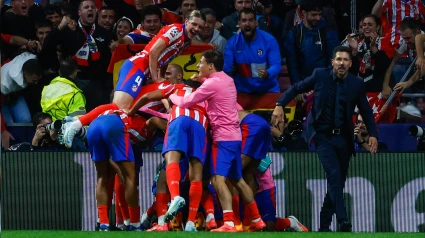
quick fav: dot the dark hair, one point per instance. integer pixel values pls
(67, 8)
(82, 1)
(214, 57)
(44, 23)
(196, 13)
(310, 5)
(39, 116)
(52, 9)
(32, 66)
(181, 2)
(375, 18)
(67, 67)
(247, 10)
(410, 23)
(177, 67)
(151, 10)
(208, 11)
(341, 48)
(107, 8)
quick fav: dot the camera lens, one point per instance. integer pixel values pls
(416, 131)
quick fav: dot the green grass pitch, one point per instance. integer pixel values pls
(82, 234)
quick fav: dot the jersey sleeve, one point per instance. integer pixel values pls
(171, 34)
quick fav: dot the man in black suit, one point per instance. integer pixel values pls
(336, 94)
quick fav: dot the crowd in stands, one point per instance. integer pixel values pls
(280, 43)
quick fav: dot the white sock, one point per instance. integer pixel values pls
(209, 217)
(230, 223)
(76, 124)
(127, 222)
(161, 220)
(190, 223)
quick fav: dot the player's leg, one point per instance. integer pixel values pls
(162, 200)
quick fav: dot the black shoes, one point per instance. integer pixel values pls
(345, 226)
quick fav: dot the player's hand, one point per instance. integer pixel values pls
(262, 73)
(386, 91)
(5, 139)
(373, 144)
(278, 116)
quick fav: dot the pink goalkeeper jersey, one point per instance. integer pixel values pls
(219, 92)
(265, 180)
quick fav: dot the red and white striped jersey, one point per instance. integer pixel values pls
(394, 11)
(196, 112)
(153, 105)
(176, 41)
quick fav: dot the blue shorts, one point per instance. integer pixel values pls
(266, 202)
(107, 138)
(226, 159)
(256, 136)
(130, 79)
(188, 136)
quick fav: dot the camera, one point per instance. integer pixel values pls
(417, 131)
(56, 126)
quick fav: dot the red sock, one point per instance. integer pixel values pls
(134, 214)
(207, 201)
(103, 214)
(253, 210)
(228, 216)
(173, 179)
(236, 212)
(162, 200)
(120, 201)
(195, 194)
(93, 114)
(151, 210)
(282, 224)
(246, 216)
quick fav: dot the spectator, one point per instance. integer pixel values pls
(62, 97)
(123, 27)
(361, 136)
(106, 18)
(15, 76)
(255, 56)
(87, 43)
(230, 23)
(372, 61)
(186, 7)
(309, 45)
(409, 29)
(274, 24)
(54, 14)
(16, 22)
(43, 28)
(149, 27)
(209, 34)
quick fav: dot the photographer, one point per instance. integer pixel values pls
(289, 137)
(46, 136)
(362, 137)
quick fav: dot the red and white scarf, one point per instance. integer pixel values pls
(89, 46)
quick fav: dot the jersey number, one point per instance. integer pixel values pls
(138, 80)
(187, 91)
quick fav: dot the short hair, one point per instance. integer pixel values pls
(44, 23)
(52, 9)
(341, 48)
(410, 23)
(67, 67)
(247, 11)
(181, 2)
(208, 11)
(151, 10)
(178, 68)
(214, 57)
(39, 116)
(196, 13)
(82, 1)
(32, 66)
(310, 5)
(375, 18)
(107, 8)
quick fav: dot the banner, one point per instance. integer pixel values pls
(188, 59)
(384, 192)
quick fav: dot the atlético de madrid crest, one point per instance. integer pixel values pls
(260, 52)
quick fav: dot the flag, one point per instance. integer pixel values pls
(376, 102)
(188, 59)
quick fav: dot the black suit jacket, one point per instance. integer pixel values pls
(319, 81)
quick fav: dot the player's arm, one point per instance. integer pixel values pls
(155, 95)
(204, 92)
(156, 50)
